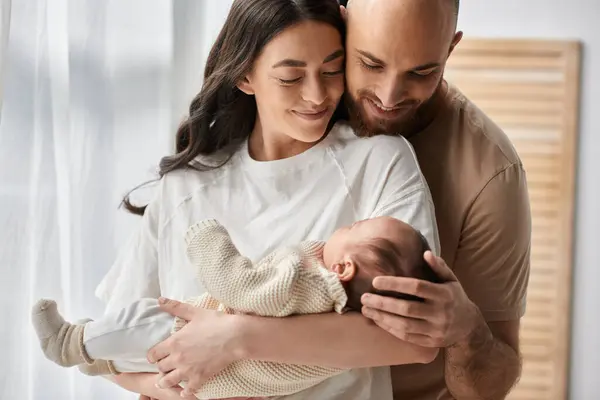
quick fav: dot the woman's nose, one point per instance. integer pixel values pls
(314, 91)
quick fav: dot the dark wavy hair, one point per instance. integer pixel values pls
(221, 116)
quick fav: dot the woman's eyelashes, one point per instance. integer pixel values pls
(289, 82)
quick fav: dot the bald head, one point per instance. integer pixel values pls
(348, 3)
(448, 7)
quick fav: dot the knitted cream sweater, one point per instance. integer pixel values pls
(288, 281)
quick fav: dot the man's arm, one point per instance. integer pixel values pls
(492, 265)
(486, 365)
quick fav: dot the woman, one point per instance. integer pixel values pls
(263, 152)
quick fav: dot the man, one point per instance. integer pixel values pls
(396, 54)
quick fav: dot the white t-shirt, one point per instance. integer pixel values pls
(265, 205)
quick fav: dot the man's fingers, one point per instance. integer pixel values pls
(405, 308)
(414, 338)
(412, 286)
(439, 266)
(400, 325)
(177, 308)
(170, 380)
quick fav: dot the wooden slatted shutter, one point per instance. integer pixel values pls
(530, 89)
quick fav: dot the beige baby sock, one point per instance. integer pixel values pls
(98, 367)
(61, 341)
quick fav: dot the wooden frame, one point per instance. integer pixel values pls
(530, 88)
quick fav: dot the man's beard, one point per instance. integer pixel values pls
(367, 127)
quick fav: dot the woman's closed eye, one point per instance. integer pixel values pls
(292, 81)
(334, 73)
(289, 81)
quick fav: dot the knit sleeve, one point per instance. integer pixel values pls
(264, 288)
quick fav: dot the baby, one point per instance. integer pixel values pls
(312, 277)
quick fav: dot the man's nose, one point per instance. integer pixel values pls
(391, 91)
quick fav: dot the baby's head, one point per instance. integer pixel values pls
(376, 247)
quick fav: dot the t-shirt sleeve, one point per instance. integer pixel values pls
(493, 258)
(134, 275)
(405, 195)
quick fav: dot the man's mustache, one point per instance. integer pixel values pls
(367, 94)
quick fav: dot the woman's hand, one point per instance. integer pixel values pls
(205, 346)
(145, 384)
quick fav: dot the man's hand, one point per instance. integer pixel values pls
(446, 317)
(200, 350)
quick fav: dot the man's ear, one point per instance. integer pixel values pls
(457, 38)
(245, 86)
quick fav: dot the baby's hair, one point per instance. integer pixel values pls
(379, 257)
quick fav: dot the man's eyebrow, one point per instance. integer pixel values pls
(370, 57)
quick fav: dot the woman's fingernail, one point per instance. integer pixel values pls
(162, 300)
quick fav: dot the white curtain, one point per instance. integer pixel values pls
(90, 95)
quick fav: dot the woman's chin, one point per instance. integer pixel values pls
(311, 135)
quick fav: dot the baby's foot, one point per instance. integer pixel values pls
(61, 341)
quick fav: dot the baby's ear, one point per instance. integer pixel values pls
(345, 269)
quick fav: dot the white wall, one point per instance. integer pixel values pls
(561, 19)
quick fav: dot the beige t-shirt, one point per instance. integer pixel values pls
(479, 190)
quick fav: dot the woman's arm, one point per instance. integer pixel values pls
(133, 276)
(211, 341)
(331, 340)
